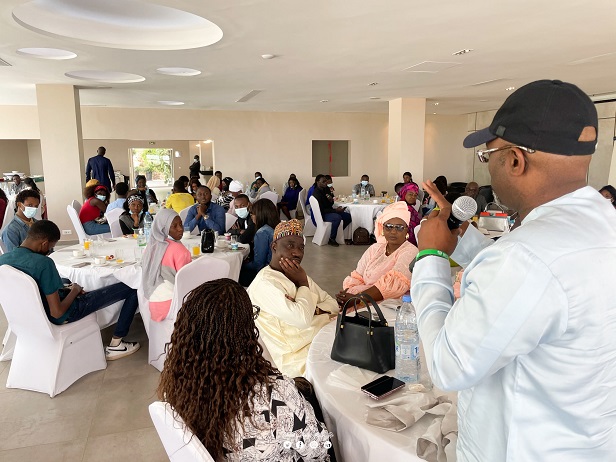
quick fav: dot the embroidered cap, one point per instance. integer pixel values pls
(288, 228)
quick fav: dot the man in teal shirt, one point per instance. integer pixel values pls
(69, 302)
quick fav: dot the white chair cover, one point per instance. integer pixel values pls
(189, 277)
(324, 228)
(76, 205)
(309, 228)
(180, 443)
(81, 233)
(47, 358)
(2, 247)
(230, 220)
(8, 345)
(113, 218)
(271, 195)
(184, 213)
(9, 213)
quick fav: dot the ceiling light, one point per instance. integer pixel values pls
(47, 53)
(374, 97)
(207, 141)
(198, 144)
(372, 84)
(510, 88)
(171, 103)
(462, 52)
(483, 100)
(178, 71)
(434, 113)
(268, 56)
(324, 101)
(177, 154)
(436, 104)
(106, 76)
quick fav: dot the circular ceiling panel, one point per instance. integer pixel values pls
(171, 103)
(47, 53)
(106, 76)
(179, 71)
(124, 24)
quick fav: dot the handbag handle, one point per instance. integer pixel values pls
(368, 300)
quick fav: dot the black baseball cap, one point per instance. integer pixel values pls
(546, 115)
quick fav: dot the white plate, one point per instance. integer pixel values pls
(100, 264)
(73, 257)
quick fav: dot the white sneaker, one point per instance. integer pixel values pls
(123, 349)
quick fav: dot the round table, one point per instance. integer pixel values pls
(344, 410)
(92, 277)
(363, 213)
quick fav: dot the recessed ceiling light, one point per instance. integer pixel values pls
(374, 97)
(510, 88)
(171, 103)
(483, 100)
(372, 84)
(324, 101)
(106, 76)
(268, 56)
(434, 113)
(207, 141)
(47, 53)
(436, 104)
(462, 52)
(178, 71)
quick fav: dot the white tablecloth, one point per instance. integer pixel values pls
(93, 277)
(362, 213)
(345, 410)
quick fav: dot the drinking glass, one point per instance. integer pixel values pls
(138, 251)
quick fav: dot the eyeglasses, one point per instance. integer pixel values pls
(398, 228)
(484, 154)
(255, 311)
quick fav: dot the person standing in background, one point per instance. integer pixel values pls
(195, 167)
(101, 169)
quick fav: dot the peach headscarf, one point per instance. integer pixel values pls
(395, 210)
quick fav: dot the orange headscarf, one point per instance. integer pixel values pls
(396, 210)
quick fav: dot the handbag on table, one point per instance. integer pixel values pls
(494, 220)
(364, 342)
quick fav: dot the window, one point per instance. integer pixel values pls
(330, 157)
(155, 164)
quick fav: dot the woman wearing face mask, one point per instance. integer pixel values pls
(92, 210)
(133, 215)
(26, 205)
(289, 200)
(609, 192)
(162, 259)
(265, 217)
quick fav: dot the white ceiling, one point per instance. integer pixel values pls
(325, 50)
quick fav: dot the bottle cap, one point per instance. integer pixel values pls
(406, 298)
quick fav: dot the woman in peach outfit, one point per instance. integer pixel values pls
(383, 270)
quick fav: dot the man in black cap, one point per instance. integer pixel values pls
(531, 342)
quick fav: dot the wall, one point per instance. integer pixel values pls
(14, 156)
(444, 153)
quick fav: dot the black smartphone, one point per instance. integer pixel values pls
(383, 386)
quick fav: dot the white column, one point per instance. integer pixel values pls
(407, 124)
(61, 147)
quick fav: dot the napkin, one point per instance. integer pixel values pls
(438, 443)
(350, 377)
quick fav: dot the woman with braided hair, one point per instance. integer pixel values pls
(232, 399)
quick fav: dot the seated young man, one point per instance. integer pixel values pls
(324, 196)
(27, 203)
(121, 191)
(69, 304)
(206, 214)
(293, 307)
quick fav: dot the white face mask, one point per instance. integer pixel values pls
(101, 198)
(242, 212)
(29, 212)
(364, 182)
(331, 185)
(257, 177)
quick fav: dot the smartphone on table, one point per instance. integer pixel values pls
(383, 386)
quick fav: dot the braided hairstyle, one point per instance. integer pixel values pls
(215, 364)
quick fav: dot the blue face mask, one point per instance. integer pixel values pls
(364, 182)
(101, 198)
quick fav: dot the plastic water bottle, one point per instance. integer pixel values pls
(141, 239)
(407, 343)
(147, 225)
(363, 193)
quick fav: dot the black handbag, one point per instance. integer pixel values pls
(363, 341)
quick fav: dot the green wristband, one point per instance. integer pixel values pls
(426, 252)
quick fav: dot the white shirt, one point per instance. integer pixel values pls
(532, 339)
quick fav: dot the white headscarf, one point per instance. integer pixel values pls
(155, 251)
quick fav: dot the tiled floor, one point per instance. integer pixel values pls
(104, 416)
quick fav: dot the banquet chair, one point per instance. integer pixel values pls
(76, 205)
(2, 247)
(9, 213)
(184, 213)
(229, 221)
(8, 345)
(47, 358)
(179, 442)
(81, 233)
(324, 228)
(271, 195)
(188, 278)
(113, 218)
(309, 228)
